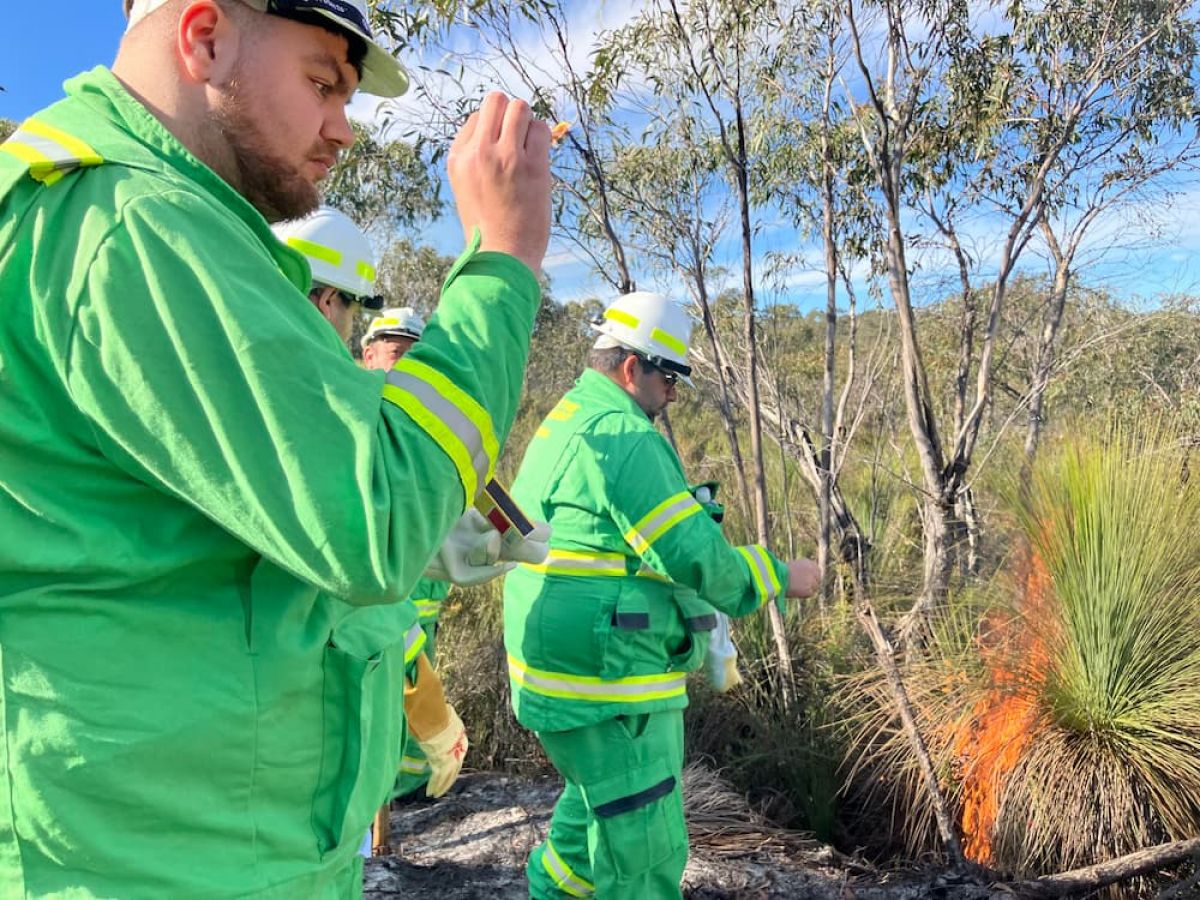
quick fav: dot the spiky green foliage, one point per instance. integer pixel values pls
(1116, 762)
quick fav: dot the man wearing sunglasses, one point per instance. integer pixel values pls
(601, 636)
(198, 484)
(342, 264)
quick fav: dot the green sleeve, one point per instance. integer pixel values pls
(208, 375)
(651, 504)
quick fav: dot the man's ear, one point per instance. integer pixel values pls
(207, 43)
(628, 370)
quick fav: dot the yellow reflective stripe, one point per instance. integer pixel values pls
(563, 875)
(455, 421)
(466, 404)
(49, 152)
(542, 432)
(428, 609)
(574, 562)
(414, 642)
(762, 572)
(82, 154)
(411, 765)
(619, 315)
(660, 520)
(632, 689)
(41, 167)
(365, 270)
(668, 341)
(316, 251)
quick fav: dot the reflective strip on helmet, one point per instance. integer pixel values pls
(365, 270)
(315, 250)
(573, 562)
(413, 765)
(428, 608)
(564, 877)
(49, 152)
(619, 315)
(671, 343)
(632, 689)
(414, 643)
(660, 520)
(766, 582)
(449, 415)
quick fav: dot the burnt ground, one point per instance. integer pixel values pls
(473, 844)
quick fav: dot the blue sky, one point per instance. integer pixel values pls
(35, 60)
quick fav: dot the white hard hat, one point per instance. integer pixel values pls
(401, 320)
(651, 325)
(338, 253)
(382, 75)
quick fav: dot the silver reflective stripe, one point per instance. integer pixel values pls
(410, 765)
(464, 429)
(414, 639)
(563, 877)
(766, 575)
(61, 159)
(649, 530)
(651, 687)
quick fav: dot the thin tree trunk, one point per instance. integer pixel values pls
(825, 462)
(1044, 362)
(884, 655)
(723, 401)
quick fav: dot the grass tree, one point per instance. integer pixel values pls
(1064, 705)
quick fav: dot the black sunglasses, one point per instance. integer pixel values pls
(375, 302)
(671, 378)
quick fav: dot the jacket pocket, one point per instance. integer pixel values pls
(634, 640)
(361, 737)
(639, 817)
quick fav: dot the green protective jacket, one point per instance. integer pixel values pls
(607, 625)
(201, 498)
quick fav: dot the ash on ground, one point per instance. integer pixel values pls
(473, 843)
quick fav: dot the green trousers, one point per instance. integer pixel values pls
(617, 832)
(414, 769)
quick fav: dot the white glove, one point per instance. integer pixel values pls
(444, 752)
(721, 661)
(532, 548)
(470, 554)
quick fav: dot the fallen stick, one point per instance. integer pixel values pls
(1112, 871)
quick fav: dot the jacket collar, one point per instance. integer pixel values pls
(601, 388)
(156, 149)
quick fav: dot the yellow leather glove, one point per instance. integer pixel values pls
(435, 726)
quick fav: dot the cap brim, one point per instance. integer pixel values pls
(382, 73)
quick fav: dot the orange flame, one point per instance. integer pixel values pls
(990, 741)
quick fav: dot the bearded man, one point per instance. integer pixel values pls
(198, 485)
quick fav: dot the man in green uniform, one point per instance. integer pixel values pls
(601, 636)
(197, 481)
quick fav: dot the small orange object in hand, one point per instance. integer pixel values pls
(558, 132)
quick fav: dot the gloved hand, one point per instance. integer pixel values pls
(532, 548)
(706, 495)
(435, 726)
(470, 554)
(721, 660)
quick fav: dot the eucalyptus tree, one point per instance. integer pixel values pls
(967, 116)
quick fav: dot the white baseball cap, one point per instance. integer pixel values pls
(382, 75)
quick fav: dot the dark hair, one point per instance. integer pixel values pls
(609, 359)
(356, 47)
